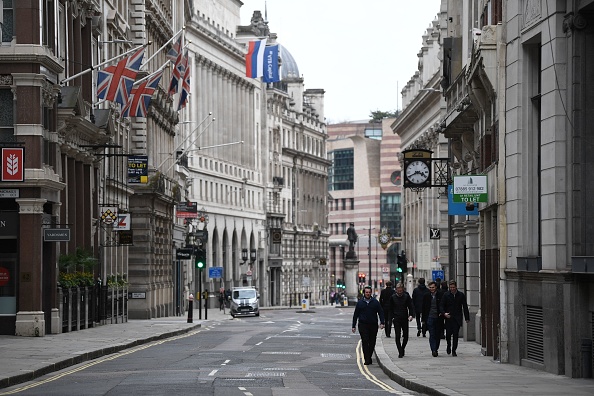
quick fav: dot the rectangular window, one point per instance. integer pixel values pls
(6, 116)
(7, 9)
(390, 213)
(374, 133)
(341, 173)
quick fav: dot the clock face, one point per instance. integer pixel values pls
(384, 239)
(417, 172)
(395, 178)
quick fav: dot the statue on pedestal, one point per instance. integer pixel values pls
(353, 238)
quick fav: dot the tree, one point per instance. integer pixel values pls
(378, 115)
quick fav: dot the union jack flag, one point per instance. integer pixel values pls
(178, 71)
(115, 82)
(141, 95)
(175, 50)
(185, 93)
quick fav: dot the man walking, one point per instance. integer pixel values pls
(453, 305)
(417, 296)
(385, 303)
(432, 316)
(402, 311)
(367, 312)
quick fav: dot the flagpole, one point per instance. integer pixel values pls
(186, 150)
(216, 145)
(163, 46)
(182, 143)
(165, 65)
(104, 63)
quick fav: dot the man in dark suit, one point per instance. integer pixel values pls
(432, 316)
(367, 311)
(402, 311)
(453, 306)
(385, 303)
(418, 296)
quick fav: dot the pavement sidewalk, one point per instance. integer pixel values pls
(26, 358)
(469, 373)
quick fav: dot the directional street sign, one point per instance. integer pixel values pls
(215, 272)
(437, 274)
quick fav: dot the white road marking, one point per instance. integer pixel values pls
(213, 372)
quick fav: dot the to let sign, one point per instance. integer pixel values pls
(138, 169)
(470, 188)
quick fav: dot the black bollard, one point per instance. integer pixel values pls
(206, 305)
(191, 309)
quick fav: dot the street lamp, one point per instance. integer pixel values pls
(369, 250)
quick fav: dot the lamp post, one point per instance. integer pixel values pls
(369, 250)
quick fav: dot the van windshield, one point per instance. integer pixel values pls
(248, 293)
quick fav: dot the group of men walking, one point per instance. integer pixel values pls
(432, 307)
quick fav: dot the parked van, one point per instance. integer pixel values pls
(245, 301)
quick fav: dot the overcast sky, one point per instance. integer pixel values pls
(361, 52)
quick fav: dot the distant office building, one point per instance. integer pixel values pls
(364, 185)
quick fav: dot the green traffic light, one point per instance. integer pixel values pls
(399, 269)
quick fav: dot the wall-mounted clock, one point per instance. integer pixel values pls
(417, 172)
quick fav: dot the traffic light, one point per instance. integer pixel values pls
(361, 277)
(402, 263)
(200, 258)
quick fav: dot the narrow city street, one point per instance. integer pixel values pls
(284, 352)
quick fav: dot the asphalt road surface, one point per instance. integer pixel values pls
(281, 353)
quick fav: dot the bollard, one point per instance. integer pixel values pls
(205, 296)
(191, 308)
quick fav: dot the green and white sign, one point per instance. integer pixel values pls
(470, 188)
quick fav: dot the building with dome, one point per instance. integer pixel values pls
(259, 171)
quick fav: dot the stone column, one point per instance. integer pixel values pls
(30, 320)
(351, 267)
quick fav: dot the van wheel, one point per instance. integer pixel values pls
(233, 316)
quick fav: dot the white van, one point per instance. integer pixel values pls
(244, 301)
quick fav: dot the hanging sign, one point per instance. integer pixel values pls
(138, 169)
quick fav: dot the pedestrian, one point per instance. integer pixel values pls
(332, 298)
(385, 303)
(402, 311)
(367, 311)
(439, 285)
(453, 306)
(222, 300)
(417, 296)
(431, 316)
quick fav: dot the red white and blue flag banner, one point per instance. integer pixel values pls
(175, 50)
(140, 97)
(185, 93)
(254, 60)
(271, 67)
(115, 82)
(13, 164)
(178, 71)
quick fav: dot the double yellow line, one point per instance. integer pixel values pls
(365, 371)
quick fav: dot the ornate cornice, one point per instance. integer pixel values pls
(31, 205)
